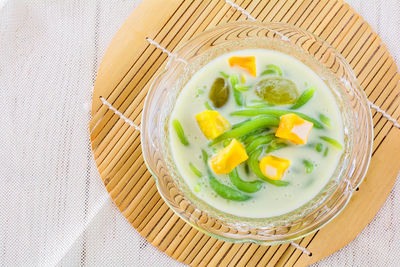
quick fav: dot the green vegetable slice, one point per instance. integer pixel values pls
(275, 145)
(319, 147)
(179, 131)
(223, 74)
(325, 120)
(208, 106)
(309, 166)
(277, 90)
(195, 170)
(197, 188)
(239, 123)
(254, 166)
(326, 151)
(304, 98)
(234, 80)
(260, 140)
(248, 187)
(242, 88)
(272, 69)
(219, 93)
(222, 190)
(248, 127)
(275, 112)
(332, 141)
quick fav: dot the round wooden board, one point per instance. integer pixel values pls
(124, 77)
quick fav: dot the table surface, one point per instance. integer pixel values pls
(54, 209)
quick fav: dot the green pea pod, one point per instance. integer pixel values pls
(304, 98)
(179, 131)
(275, 112)
(208, 106)
(332, 141)
(275, 145)
(248, 127)
(260, 140)
(195, 170)
(254, 166)
(222, 190)
(234, 79)
(248, 187)
(309, 166)
(272, 69)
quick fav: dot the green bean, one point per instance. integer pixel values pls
(309, 166)
(272, 69)
(239, 123)
(260, 140)
(259, 106)
(224, 75)
(242, 88)
(275, 112)
(208, 106)
(304, 98)
(234, 79)
(227, 192)
(179, 131)
(226, 142)
(248, 127)
(247, 138)
(332, 141)
(319, 147)
(254, 166)
(325, 120)
(222, 190)
(248, 187)
(326, 151)
(275, 145)
(195, 170)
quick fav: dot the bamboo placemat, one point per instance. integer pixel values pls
(127, 70)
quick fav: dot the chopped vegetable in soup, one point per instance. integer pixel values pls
(262, 138)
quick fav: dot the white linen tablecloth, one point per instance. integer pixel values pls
(54, 209)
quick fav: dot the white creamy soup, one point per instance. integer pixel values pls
(287, 112)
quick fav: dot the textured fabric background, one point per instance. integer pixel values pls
(54, 209)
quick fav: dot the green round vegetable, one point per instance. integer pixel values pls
(277, 91)
(219, 93)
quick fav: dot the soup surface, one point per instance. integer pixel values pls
(281, 155)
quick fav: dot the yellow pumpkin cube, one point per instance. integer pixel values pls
(212, 124)
(273, 167)
(228, 158)
(248, 63)
(294, 128)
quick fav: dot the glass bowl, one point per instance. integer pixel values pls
(326, 62)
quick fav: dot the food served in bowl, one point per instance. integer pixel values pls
(256, 133)
(276, 105)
